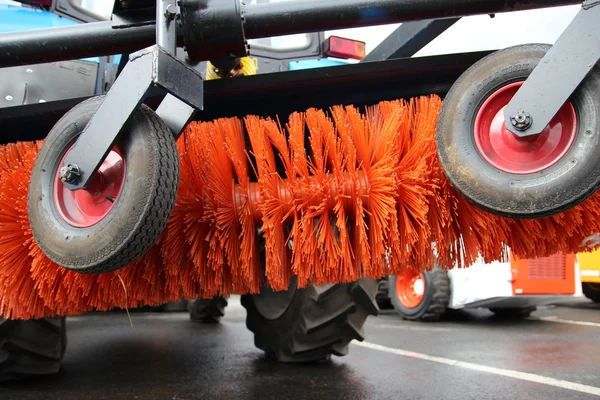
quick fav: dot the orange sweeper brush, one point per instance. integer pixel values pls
(363, 196)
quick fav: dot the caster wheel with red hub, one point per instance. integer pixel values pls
(504, 174)
(420, 296)
(124, 208)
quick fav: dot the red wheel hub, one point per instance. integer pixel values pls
(513, 154)
(86, 207)
(410, 289)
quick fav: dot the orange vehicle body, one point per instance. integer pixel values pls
(554, 275)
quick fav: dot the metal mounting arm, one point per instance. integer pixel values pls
(150, 67)
(154, 66)
(558, 75)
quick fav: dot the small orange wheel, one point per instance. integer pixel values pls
(410, 289)
(422, 296)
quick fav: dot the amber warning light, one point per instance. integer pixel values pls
(339, 47)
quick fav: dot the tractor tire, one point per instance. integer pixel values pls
(31, 348)
(591, 291)
(207, 310)
(383, 295)
(520, 178)
(312, 323)
(127, 204)
(428, 303)
(513, 313)
(173, 306)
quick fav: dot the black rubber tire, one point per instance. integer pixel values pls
(383, 296)
(320, 321)
(513, 313)
(525, 196)
(435, 301)
(173, 306)
(31, 347)
(591, 291)
(140, 212)
(207, 310)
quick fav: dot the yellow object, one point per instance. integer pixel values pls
(249, 66)
(590, 266)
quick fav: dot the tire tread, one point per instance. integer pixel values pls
(31, 347)
(329, 318)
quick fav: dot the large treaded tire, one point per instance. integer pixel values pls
(591, 291)
(561, 185)
(319, 321)
(435, 300)
(31, 347)
(207, 310)
(513, 313)
(140, 211)
(383, 295)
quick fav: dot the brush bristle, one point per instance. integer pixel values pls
(331, 196)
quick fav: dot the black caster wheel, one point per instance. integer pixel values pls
(521, 178)
(124, 208)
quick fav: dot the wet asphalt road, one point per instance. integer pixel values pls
(166, 356)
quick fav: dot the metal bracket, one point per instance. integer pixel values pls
(166, 15)
(175, 113)
(558, 74)
(409, 38)
(153, 66)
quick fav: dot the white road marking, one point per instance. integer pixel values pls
(566, 321)
(408, 327)
(525, 376)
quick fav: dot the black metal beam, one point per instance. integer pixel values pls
(260, 20)
(409, 38)
(93, 39)
(358, 84)
(303, 16)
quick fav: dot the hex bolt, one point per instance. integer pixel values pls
(170, 12)
(521, 121)
(69, 173)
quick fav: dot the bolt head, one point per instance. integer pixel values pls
(170, 11)
(521, 121)
(69, 173)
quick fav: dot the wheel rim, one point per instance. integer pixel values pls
(410, 289)
(512, 154)
(86, 207)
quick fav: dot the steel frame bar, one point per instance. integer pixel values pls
(259, 20)
(409, 38)
(65, 43)
(303, 16)
(166, 34)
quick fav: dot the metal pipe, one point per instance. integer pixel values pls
(303, 16)
(261, 20)
(93, 39)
